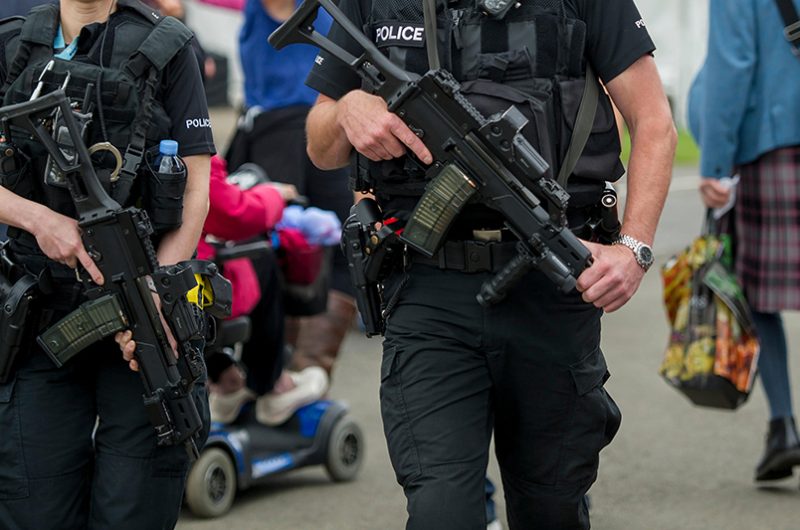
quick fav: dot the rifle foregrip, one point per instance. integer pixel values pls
(495, 289)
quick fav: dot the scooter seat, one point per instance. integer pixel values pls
(234, 330)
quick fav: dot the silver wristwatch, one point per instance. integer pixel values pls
(641, 251)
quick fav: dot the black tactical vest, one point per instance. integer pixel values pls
(127, 112)
(533, 58)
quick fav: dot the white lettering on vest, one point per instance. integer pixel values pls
(399, 34)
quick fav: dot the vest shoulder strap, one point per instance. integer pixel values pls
(162, 44)
(36, 36)
(9, 36)
(41, 25)
(150, 14)
(10, 24)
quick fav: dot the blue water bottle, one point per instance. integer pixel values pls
(168, 162)
(166, 187)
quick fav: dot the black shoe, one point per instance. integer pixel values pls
(782, 451)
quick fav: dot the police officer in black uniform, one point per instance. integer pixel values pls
(529, 369)
(77, 449)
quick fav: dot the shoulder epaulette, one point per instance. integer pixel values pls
(9, 24)
(151, 15)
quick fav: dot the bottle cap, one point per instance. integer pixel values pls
(168, 147)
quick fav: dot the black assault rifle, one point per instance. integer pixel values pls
(473, 155)
(118, 240)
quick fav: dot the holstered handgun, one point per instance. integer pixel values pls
(17, 295)
(370, 252)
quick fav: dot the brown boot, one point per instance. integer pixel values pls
(320, 337)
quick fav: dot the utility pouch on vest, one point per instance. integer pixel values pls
(599, 160)
(14, 168)
(16, 303)
(52, 175)
(493, 98)
(163, 198)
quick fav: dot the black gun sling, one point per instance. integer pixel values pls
(792, 22)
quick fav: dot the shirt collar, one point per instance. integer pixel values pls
(60, 46)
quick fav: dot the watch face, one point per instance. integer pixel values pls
(646, 255)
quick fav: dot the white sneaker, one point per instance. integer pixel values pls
(494, 525)
(310, 385)
(225, 408)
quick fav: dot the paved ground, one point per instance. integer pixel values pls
(672, 466)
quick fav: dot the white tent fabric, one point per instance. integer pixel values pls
(679, 29)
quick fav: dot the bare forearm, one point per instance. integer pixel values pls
(640, 97)
(328, 146)
(653, 143)
(180, 244)
(17, 211)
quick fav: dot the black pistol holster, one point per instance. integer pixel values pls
(18, 290)
(371, 248)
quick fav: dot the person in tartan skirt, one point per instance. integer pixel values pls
(744, 110)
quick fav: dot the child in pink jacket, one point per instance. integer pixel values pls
(234, 215)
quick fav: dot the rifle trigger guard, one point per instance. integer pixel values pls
(108, 146)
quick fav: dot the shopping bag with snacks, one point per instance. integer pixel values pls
(713, 348)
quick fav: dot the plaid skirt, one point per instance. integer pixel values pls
(768, 231)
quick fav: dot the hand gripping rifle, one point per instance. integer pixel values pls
(118, 240)
(473, 156)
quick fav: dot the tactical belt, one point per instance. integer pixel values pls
(469, 256)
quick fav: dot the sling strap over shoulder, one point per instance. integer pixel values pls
(165, 41)
(36, 37)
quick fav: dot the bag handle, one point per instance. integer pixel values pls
(716, 226)
(792, 22)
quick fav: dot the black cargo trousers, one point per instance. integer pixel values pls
(77, 449)
(528, 369)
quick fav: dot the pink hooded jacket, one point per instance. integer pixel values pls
(235, 214)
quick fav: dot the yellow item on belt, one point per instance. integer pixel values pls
(203, 295)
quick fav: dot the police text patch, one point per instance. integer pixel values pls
(400, 34)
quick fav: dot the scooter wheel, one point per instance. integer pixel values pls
(211, 484)
(345, 450)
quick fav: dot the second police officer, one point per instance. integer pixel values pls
(77, 449)
(529, 369)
